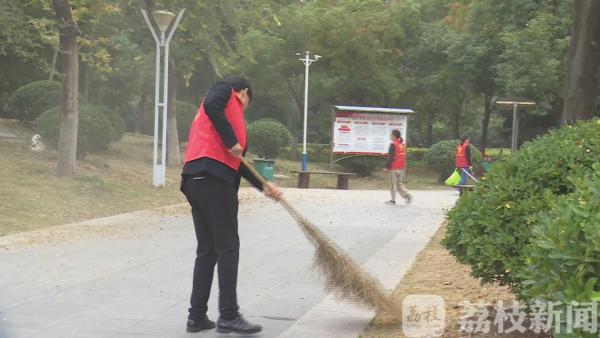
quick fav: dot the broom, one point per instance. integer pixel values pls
(342, 274)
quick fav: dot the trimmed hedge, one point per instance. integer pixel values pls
(321, 153)
(98, 127)
(316, 152)
(442, 155)
(363, 165)
(267, 136)
(415, 154)
(31, 100)
(491, 227)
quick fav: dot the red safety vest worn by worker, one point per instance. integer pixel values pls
(399, 161)
(461, 156)
(204, 141)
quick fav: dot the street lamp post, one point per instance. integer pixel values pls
(163, 20)
(515, 104)
(307, 61)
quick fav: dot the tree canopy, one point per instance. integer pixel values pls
(448, 60)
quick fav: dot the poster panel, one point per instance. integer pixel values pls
(365, 133)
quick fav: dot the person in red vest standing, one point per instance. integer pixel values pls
(210, 182)
(396, 166)
(463, 160)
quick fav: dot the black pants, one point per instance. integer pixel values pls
(214, 209)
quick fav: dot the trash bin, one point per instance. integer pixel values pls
(487, 163)
(265, 167)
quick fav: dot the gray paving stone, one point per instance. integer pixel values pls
(138, 285)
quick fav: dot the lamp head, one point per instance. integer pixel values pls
(163, 19)
(317, 57)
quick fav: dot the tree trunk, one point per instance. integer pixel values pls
(139, 118)
(430, 118)
(53, 69)
(459, 112)
(487, 112)
(583, 62)
(67, 143)
(86, 83)
(173, 158)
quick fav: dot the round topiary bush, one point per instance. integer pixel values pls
(186, 112)
(441, 158)
(267, 136)
(31, 100)
(491, 227)
(97, 128)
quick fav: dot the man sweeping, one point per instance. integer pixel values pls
(396, 166)
(210, 181)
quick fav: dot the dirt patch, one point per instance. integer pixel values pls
(106, 227)
(436, 272)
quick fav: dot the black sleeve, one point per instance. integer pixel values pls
(391, 152)
(469, 155)
(247, 174)
(214, 106)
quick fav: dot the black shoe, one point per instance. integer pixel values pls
(237, 325)
(200, 325)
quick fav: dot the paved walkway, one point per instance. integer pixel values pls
(8, 136)
(130, 275)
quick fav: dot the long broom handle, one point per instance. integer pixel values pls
(258, 176)
(468, 173)
(284, 202)
(321, 240)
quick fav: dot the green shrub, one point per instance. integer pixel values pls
(31, 100)
(98, 127)
(267, 136)
(442, 155)
(415, 154)
(564, 255)
(119, 127)
(490, 227)
(363, 165)
(186, 112)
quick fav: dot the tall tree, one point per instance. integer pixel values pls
(67, 144)
(583, 62)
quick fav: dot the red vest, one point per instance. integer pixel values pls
(461, 156)
(399, 161)
(204, 141)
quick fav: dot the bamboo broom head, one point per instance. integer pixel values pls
(343, 275)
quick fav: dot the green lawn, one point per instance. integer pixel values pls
(118, 180)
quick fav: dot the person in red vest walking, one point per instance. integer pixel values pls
(396, 166)
(463, 160)
(210, 181)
